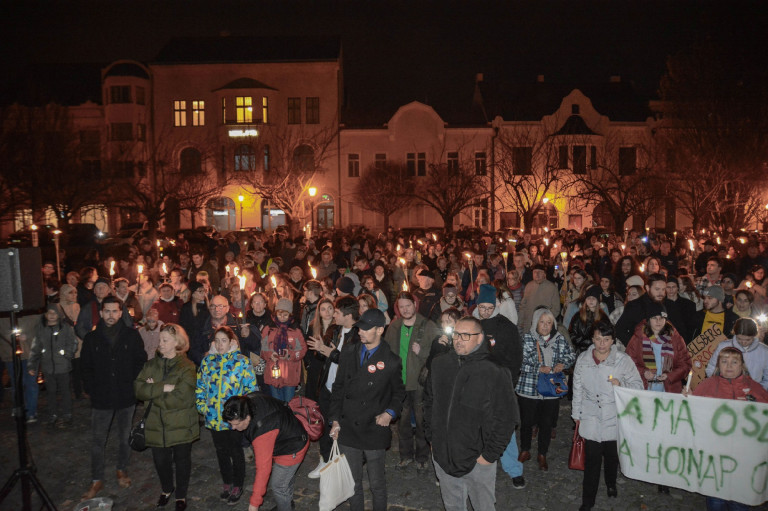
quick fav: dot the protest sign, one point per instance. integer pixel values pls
(701, 349)
(716, 447)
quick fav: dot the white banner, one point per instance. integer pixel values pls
(716, 447)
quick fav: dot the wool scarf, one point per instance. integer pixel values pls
(280, 342)
(667, 353)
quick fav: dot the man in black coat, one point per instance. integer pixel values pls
(470, 413)
(681, 311)
(428, 295)
(111, 358)
(367, 395)
(636, 310)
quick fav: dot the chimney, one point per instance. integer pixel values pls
(615, 79)
(540, 78)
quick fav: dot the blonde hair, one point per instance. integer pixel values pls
(179, 335)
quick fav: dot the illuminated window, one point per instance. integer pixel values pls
(179, 113)
(120, 94)
(265, 110)
(481, 168)
(141, 95)
(353, 165)
(380, 161)
(121, 131)
(245, 158)
(313, 110)
(480, 214)
(244, 108)
(198, 113)
(416, 164)
(453, 162)
(294, 110)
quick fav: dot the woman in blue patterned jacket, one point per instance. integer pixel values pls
(223, 373)
(545, 350)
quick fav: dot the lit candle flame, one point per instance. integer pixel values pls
(241, 279)
(314, 272)
(749, 284)
(401, 261)
(273, 280)
(398, 248)
(546, 241)
(563, 255)
(434, 236)
(158, 243)
(468, 256)
(141, 269)
(405, 286)
(112, 268)
(235, 271)
(420, 242)
(165, 269)
(642, 267)
(690, 244)
(761, 318)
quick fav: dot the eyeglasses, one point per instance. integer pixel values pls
(464, 336)
(486, 307)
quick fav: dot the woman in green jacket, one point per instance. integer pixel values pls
(167, 384)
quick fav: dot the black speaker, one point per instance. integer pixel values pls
(21, 281)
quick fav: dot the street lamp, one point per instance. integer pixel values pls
(312, 192)
(241, 199)
(56, 234)
(35, 236)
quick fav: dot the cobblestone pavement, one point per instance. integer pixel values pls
(63, 467)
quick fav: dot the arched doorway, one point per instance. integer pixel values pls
(220, 213)
(325, 214)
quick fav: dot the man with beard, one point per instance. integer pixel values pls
(410, 337)
(249, 336)
(637, 310)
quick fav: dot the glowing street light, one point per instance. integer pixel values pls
(241, 199)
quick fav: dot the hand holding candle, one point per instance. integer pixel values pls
(688, 385)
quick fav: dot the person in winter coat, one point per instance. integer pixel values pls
(545, 350)
(283, 348)
(167, 385)
(755, 354)
(224, 373)
(538, 292)
(279, 443)
(590, 311)
(598, 369)
(730, 380)
(52, 350)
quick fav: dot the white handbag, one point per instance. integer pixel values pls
(336, 482)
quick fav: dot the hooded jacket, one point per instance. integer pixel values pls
(52, 348)
(503, 340)
(173, 417)
(221, 376)
(562, 353)
(469, 410)
(755, 358)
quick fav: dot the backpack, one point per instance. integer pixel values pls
(309, 415)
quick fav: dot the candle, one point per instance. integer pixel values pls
(405, 285)
(688, 385)
(165, 269)
(314, 272)
(112, 269)
(141, 269)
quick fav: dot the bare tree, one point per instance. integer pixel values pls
(527, 165)
(385, 190)
(450, 189)
(44, 165)
(293, 156)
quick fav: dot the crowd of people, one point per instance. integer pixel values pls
(442, 337)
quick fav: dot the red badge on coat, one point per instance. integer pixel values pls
(371, 368)
(380, 364)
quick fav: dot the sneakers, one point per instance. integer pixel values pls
(225, 491)
(234, 496)
(31, 419)
(518, 482)
(315, 474)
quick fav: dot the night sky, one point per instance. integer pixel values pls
(408, 48)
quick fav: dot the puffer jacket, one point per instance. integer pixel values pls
(755, 358)
(173, 418)
(52, 348)
(737, 388)
(221, 376)
(593, 400)
(529, 372)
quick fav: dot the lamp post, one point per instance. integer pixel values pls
(56, 234)
(312, 192)
(35, 236)
(241, 199)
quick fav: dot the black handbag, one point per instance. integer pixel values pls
(136, 439)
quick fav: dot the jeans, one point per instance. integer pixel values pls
(413, 402)
(479, 485)
(594, 454)
(229, 453)
(540, 412)
(165, 458)
(281, 483)
(28, 383)
(58, 384)
(374, 460)
(284, 394)
(509, 459)
(715, 504)
(101, 422)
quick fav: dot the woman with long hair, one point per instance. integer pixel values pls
(283, 348)
(590, 311)
(572, 289)
(626, 267)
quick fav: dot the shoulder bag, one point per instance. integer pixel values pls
(551, 384)
(136, 439)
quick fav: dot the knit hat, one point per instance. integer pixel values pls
(424, 272)
(194, 286)
(450, 290)
(654, 309)
(594, 291)
(284, 304)
(715, 292)
(345, 285)
(731, 276)
(486, 294)
(635, 280)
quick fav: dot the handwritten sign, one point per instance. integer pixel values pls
(701, 349)
(716, 447)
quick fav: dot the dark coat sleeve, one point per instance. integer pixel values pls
(505, 418)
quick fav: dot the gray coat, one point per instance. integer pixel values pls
(593, 400)
(53, 348)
